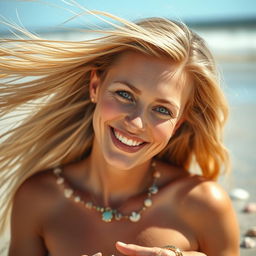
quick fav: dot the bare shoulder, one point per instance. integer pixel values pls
(200, 195)
(38, 192)
(33, 203)
(41, 190)
(205, 193)
(194, 190)
(39, 184)
(207, 207)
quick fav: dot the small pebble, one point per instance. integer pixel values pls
(250, 208)
(239, 194)
(248, 242)
(251, 232)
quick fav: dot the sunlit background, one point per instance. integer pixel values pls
(228, 26)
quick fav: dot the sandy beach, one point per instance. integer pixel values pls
(240, 139)
(242, 177)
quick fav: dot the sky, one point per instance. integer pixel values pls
(42, 14)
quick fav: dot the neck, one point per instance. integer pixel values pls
(111, 186)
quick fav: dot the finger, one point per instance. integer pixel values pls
(136, 250)
(193, 254)
(190, 253)
(132, 249)
(96, 254)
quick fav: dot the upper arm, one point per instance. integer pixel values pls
(214, 220)
(26, 239)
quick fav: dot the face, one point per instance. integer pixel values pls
(138, 108)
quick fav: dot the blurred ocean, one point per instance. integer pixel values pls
(239, 82)
(234, 46)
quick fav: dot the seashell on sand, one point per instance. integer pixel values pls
(248, 242)
(250, 208)
(239, 194)
(251, 232)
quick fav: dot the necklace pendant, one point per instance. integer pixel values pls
(135, 217)
(107, 215)
(148, 202)
(153, 189)
(118, 216)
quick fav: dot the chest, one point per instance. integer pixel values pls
(74, 230)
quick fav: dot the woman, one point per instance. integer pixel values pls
(104, 162)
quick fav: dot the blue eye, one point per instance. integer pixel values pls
(126, 95)
(163, 110)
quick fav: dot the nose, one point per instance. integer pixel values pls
(135, 122)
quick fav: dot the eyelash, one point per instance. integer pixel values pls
(167, 112)
(129, 97)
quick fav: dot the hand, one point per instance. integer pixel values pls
(136, 250)
(96, 254)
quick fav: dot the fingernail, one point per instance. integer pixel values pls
(121, 243)
(97, 254)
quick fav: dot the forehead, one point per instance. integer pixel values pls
(148, 71)
(140, 64)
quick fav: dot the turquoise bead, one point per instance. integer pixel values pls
(107, 216)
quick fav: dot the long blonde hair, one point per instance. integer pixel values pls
(59, 128)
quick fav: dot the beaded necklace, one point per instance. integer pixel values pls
(107, 213)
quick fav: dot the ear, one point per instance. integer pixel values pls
(94, 86)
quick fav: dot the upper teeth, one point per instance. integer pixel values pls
(125, 140)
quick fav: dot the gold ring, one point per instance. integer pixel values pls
(174, 249)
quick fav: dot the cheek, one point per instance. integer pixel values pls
(163, 132)
(109, 109)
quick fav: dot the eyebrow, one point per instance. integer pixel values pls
(130, 86)
(168, 102)
(138, 91)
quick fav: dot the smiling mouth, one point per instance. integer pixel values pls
(126, 141)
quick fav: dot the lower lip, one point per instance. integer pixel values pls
(122, 146)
